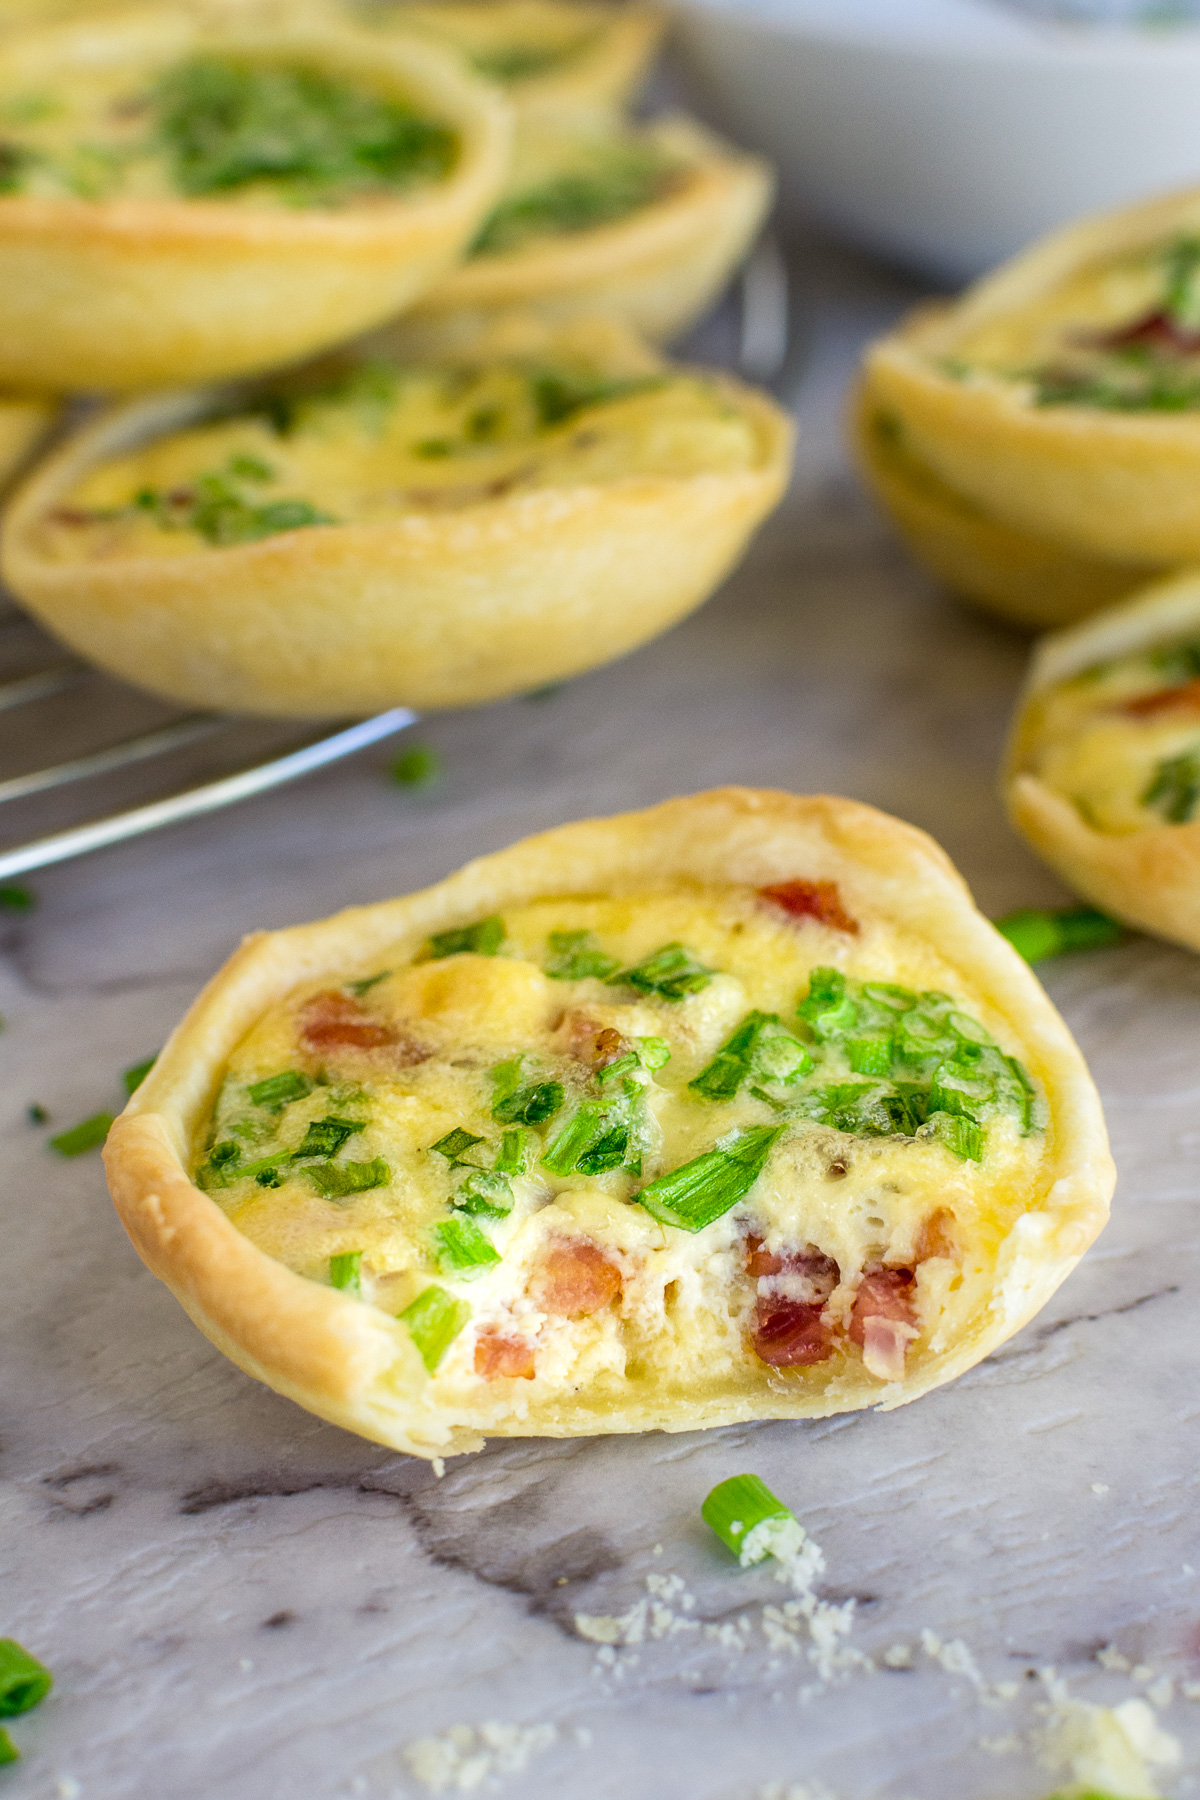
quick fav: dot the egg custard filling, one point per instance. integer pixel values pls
(377, 441)
(1120, 334)
(595, 1137)
(213, 126)
(1121, 740)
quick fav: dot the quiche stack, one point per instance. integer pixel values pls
(498, 486)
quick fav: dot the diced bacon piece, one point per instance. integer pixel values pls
(883, 1321)
(790, 1335)
(1157, 329)
(807, 1275)
(938, 1236)
(333, 1021)
(1183, 697)
(819, 900)
(496, 1353)
(575, 1279)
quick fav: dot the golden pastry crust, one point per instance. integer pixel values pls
(607, 48)
(354, 1364)
(658, 269)
(180, 289)
(24, 421)
(1108, 484)
(1149, 877)
(1028, 581)
(440, 607)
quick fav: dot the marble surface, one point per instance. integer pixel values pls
(242, 1602)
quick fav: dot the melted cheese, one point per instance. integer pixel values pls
(404, 443)
(686, 1306)
(1104, 758)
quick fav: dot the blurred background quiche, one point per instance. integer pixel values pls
(369, 533)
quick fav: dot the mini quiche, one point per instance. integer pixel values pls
(547, 56)
(369, 534)
(1103, 771)
(184, 197)
(1062, 393)
(1027, 580)
(646, 223)
(731, 1109)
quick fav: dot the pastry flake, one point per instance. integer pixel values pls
(597, 1136)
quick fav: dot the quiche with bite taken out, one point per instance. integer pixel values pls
(731, 1109)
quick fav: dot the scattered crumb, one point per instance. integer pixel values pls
(583, 1737)
(657, 1550)
(1006, 1690)
(1111, 1658)
(68, 1788)
(954, 1657)
(466, 1756)
(1162, 1692)
(245, 1663)
(438, 1466)
(1008, 1745)
(900, 1656)
(1100, 1487)
(1114, 1748)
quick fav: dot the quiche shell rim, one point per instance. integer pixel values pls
(356, 1367)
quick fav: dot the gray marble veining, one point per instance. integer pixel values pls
(241, 1602)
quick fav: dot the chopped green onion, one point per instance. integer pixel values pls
(334, 1180)
(655, 1052)
(417, 767)
(463, 1250)
(485, 1193)
(8, 1750)
(1174, 790)
(583, 1133)
(36, 1113)
(531, 1105)
(576, 957)
(345, 1271)
(134, 1077)
(672, 972)
(325, 1137)
(481, 939)
(359, 988)
(89, 1134)
(454, 1146)
(434, 1320)
(515, 1151)
(736, 1506)
(827, 1009)
(24, 1681)
(277, 1091)
(613, 1071)
(760, 1046)
(17, 899)
(1038, 932)
(870, 1054)
(704, 1189)
(962, 1136)
(551, 691)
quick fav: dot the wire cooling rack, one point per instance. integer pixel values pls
(86, 761)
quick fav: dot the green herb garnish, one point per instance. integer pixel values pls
(134, 1077)
(24, 1681)
(36, 1113)
(704, 1189)
(532, 1104)
(14, 898)
(761, 1048)
(89, 1134)
(334, 1180)
(434, 1320)
(277, 1091)
(226, 123)
(736, 1506)
(463, 1250)
(559, 397)
(1038, 932)
(627, 178)
(515, 1152)
(1174, 790)
(216, 507)
(575, 956)
(455, 1145)
(517, 62)
(325, 1137)
(672, 972)
(481, 939)
(600, 1136)
(8, 1750)
(345, 1271)
(364, 986)
(486, 1193)
(417, 767)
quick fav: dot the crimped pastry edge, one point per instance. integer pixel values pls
(351, 1364)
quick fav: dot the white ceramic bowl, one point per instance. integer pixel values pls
(945, 134)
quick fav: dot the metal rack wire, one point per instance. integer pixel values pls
(121, 764)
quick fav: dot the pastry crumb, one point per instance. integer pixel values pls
(465, 1756)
